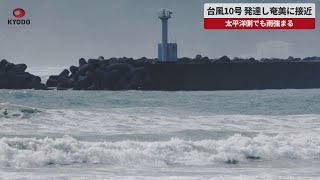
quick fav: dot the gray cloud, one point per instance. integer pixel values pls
(63, 31)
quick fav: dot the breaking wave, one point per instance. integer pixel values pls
(8, 110)
(32, 152)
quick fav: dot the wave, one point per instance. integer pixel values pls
(143, 124)
(32, 152)
(8, 110)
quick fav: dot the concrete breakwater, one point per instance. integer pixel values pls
(199, 73)
(13, 76)
(101, 74)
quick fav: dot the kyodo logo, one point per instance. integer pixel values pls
(18, 13)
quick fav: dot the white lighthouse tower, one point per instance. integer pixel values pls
(166, 51)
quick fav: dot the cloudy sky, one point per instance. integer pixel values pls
(63, 31)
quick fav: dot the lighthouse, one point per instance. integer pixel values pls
(166, 51)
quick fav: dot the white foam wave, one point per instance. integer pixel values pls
(9, 110)
(31, 152)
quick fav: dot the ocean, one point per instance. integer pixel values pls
(258, 134)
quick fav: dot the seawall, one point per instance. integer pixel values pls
(235, 76)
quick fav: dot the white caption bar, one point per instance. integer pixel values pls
(259, 10)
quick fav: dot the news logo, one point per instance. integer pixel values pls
(19, 13)
(259, 16)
